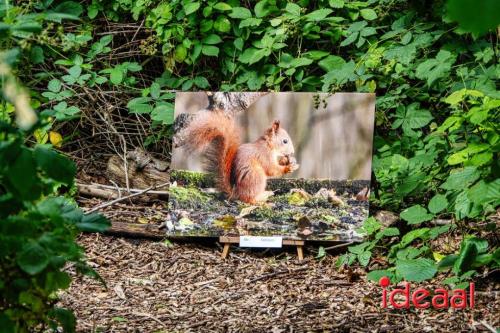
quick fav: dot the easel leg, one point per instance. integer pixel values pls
(300, 252)
(225, 251)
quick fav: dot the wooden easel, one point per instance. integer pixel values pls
(228, 240)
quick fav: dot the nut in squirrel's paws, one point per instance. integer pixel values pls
(289, 162)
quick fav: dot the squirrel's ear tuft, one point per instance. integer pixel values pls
(275, 126)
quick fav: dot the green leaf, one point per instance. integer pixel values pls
(416, 270)
(116, 76)
(250, 22)
(408, 238)
(209, 50)
(370, 226)
(387, 232)
(180, 53)
(65, 318)
(55, 165)
(461, 178)
(375, 275)
(222, 24)
(438, 203)
(240, 13)
(318, 14)
(93, 222)
(364, 258)
(466, 258)
(140, 105)
(69, 7)
(201, 82)
(222, 6)
(473, 16)
(293, 8)
(54, 85)
(36, 55)
(155, 90)
(368, 14)
(447, 261)
(331, 62)
(212, 39)
(21, 176)
(252, 55)
(416, 214)
(164, 113)
(32, 258)
(190, 7)
(434, 69)
(345, 73)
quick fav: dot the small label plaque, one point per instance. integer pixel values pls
(261, 241)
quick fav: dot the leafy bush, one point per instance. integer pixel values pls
(37, 234)
(38, 229)
(437, 121)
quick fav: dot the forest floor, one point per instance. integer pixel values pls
(157, 286)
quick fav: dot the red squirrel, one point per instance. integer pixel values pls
(241, 170)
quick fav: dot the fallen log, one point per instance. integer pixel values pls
(109, 192)
(141, 172)
(136, 230)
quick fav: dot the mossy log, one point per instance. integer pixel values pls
(279, 185)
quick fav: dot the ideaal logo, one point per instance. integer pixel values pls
(440, 297)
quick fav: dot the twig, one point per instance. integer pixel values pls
(338, 246)
(488, 326)
(112, 202)
(132, 190)
(149, 316)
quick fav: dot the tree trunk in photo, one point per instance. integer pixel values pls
(229, 102)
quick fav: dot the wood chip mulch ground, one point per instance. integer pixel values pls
(187, 287)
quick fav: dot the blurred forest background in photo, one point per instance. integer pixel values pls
(332, 134)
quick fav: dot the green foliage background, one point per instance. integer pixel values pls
(437, 118)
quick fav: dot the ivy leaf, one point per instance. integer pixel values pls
(438, 203)
(416, 270)
(415, 215)
(434, 69)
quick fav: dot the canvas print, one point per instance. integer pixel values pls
(296, 165)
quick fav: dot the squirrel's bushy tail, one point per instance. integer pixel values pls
(218, 138)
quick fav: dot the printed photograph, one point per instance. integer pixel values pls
(296, 165)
